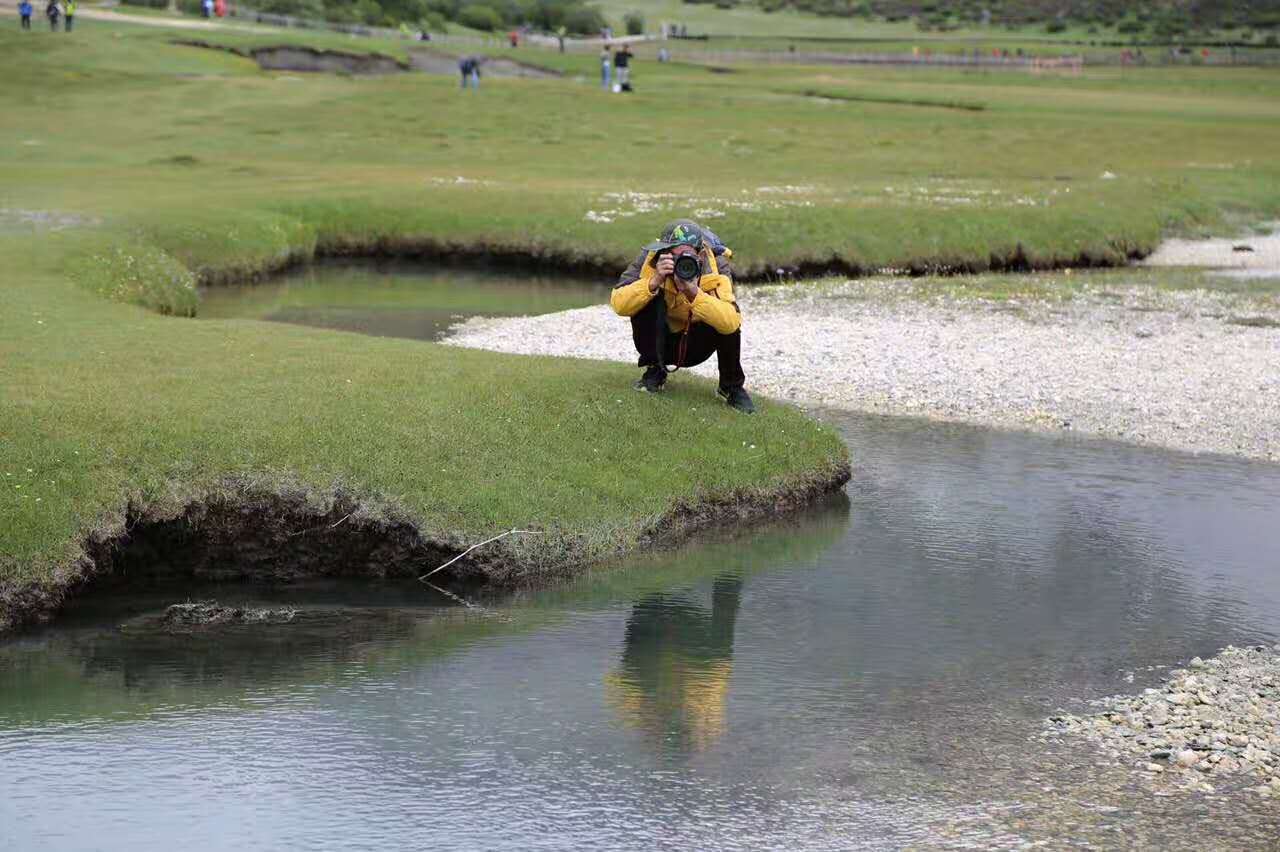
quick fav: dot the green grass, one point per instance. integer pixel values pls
(196, 166)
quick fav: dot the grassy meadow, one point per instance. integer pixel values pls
(133, 170)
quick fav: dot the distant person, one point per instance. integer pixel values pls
(622, 68)
(560, 34)
(470, 68)
(679, 296)
(605, 66)
(53, 13)
(206, 9)
(220, 8)
(24, 13)
(514, 38)
(71, 15)
(664, 55)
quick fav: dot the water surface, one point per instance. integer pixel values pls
(866, 676)
(397, 299)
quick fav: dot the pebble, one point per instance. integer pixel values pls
(1243, 716)
(1197, 383)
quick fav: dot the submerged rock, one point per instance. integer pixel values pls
(1219, 717)
(202, 613)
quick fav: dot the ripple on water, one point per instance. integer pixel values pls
(868, 676)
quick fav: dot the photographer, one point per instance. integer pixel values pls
(679, 296)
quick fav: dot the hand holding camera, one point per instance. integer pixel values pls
(663, 268)
(684, 268)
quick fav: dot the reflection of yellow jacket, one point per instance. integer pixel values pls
(685, 708)
(714, 304)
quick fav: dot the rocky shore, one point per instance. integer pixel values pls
(1104, 354)
(1217, 720)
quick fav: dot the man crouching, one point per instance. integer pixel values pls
(697, 314)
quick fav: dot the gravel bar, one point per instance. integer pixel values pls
(1190, 369)
(1216, 719)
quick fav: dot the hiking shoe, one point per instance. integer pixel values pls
(653, 380)
(737, 398)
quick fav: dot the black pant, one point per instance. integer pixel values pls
(67, 26)
(659, 345)
(26, 22)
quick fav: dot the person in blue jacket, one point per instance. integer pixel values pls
(24, 12)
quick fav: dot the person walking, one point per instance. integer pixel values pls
(53, 12)
(71, 15)
(605, 67)
(24, 12)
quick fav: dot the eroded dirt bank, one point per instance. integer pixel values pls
(309, 59)
(277, 536)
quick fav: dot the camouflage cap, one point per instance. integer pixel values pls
(681, 232)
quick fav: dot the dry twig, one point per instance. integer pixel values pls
(474, 546)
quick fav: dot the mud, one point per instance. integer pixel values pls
(283, 536)
(310, 60)
(211, 613)
(540, 259)
(433, 62)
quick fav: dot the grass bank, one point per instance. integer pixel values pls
(134, 170)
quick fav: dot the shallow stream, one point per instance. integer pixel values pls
(867, 675)
(394, 299)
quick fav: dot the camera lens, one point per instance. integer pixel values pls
(688, 267)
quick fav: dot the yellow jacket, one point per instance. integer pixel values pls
(714, 304)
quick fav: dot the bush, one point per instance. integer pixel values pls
(1131, 27)
(1057, 25)
(1271, 41)
(433, 22)
(634, 22)
(480, 18)
(369, 12)
(584, 20)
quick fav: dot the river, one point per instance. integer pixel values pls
(870, 674)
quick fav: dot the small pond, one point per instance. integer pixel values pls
(397, 299)
(868, 675)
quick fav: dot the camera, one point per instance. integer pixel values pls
(688, 267)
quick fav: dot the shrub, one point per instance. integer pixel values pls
(1271, 41)
(369, 12)
(433, 22)
(584, 20)
(1057, 25)
(1131, 27)
(634, 22)
(480, 17)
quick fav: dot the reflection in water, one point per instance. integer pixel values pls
(395, 299)
(861, 676)
(673, 681)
